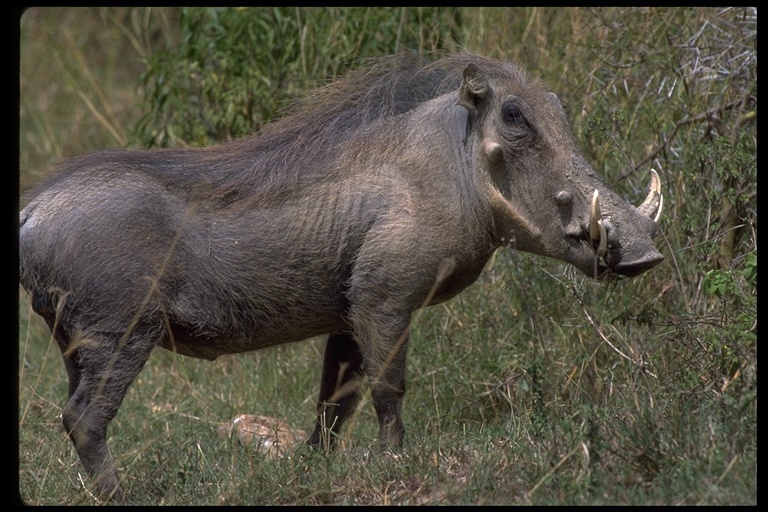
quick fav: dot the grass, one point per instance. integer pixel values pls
(534, 386)
(494, 421)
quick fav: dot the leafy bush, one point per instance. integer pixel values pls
(233, 69)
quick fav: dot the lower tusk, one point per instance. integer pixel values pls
(594, 218)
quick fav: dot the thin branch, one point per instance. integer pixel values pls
(640, 365)
(683, 122)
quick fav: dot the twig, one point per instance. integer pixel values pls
(604, 338)
(549, 473)
(683, 122)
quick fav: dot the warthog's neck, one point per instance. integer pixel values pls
(463, 275)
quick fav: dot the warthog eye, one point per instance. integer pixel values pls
(512, 114)
(515, 121)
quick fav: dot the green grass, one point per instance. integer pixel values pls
(534, 386)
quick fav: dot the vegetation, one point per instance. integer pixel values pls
(235, 68)
(536, 385)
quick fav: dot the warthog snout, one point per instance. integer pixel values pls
(638, 253)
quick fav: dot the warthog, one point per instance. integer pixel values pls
(384, 192)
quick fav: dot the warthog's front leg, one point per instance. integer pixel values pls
(387, 392)
(384, 342)
(389, 282)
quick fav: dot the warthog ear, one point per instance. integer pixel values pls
(553, 98)
(474, 88)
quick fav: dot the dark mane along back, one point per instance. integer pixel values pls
(382, 87)
(304, 144)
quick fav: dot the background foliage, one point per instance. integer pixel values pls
(536, 385)
(235, 68)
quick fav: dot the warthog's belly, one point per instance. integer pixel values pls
(209, 345)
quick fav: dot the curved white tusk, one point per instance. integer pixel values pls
(651, 203)
(594, 217)
(658, 213)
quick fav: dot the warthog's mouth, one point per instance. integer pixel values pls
(600, 268)
(601, 237)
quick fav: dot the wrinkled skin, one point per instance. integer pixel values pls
(283, 237)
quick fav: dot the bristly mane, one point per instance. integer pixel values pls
(381, 87)
(307, 140)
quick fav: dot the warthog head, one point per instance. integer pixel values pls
(546, 197)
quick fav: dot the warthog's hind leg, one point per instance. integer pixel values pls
(339, 388)
(101, 368)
